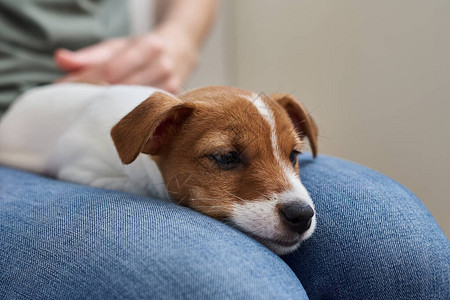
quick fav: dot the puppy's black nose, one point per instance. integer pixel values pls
(297, 216)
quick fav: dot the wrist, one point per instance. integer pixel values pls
(179, 39)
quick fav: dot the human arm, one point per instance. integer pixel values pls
(163, 58)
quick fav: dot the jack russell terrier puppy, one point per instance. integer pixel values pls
(225, 152)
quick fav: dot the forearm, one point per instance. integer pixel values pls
(186, 18)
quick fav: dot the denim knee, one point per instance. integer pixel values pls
(374, 238)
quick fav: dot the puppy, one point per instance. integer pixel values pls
(225, 152)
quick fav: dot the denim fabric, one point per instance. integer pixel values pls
(375, 240)
(64, 241)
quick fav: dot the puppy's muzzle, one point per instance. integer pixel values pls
(297, 216)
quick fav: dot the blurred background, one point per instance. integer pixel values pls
(375, 76)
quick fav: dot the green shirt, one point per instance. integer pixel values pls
(31, 30)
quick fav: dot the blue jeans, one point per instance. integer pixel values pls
(374, 240)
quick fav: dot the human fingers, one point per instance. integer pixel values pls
(92, 55)
(156, 71)
(89, 75)
(143, 53)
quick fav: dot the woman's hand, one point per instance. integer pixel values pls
(163, 59)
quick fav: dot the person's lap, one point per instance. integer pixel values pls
(62, 241)
(58, 240)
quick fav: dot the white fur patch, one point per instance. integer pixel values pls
(267, 114)
(63, 130)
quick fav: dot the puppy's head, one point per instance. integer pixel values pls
(230, 154)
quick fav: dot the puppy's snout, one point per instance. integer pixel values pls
(297, 216)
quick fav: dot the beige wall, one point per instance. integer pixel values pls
(375, 74)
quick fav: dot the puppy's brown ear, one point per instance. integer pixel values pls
(303, 123)
(150, 126)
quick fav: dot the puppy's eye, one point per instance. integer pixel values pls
(293, 157)
(228, 160)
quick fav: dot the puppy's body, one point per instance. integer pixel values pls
(228, 153)
(64, 131)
